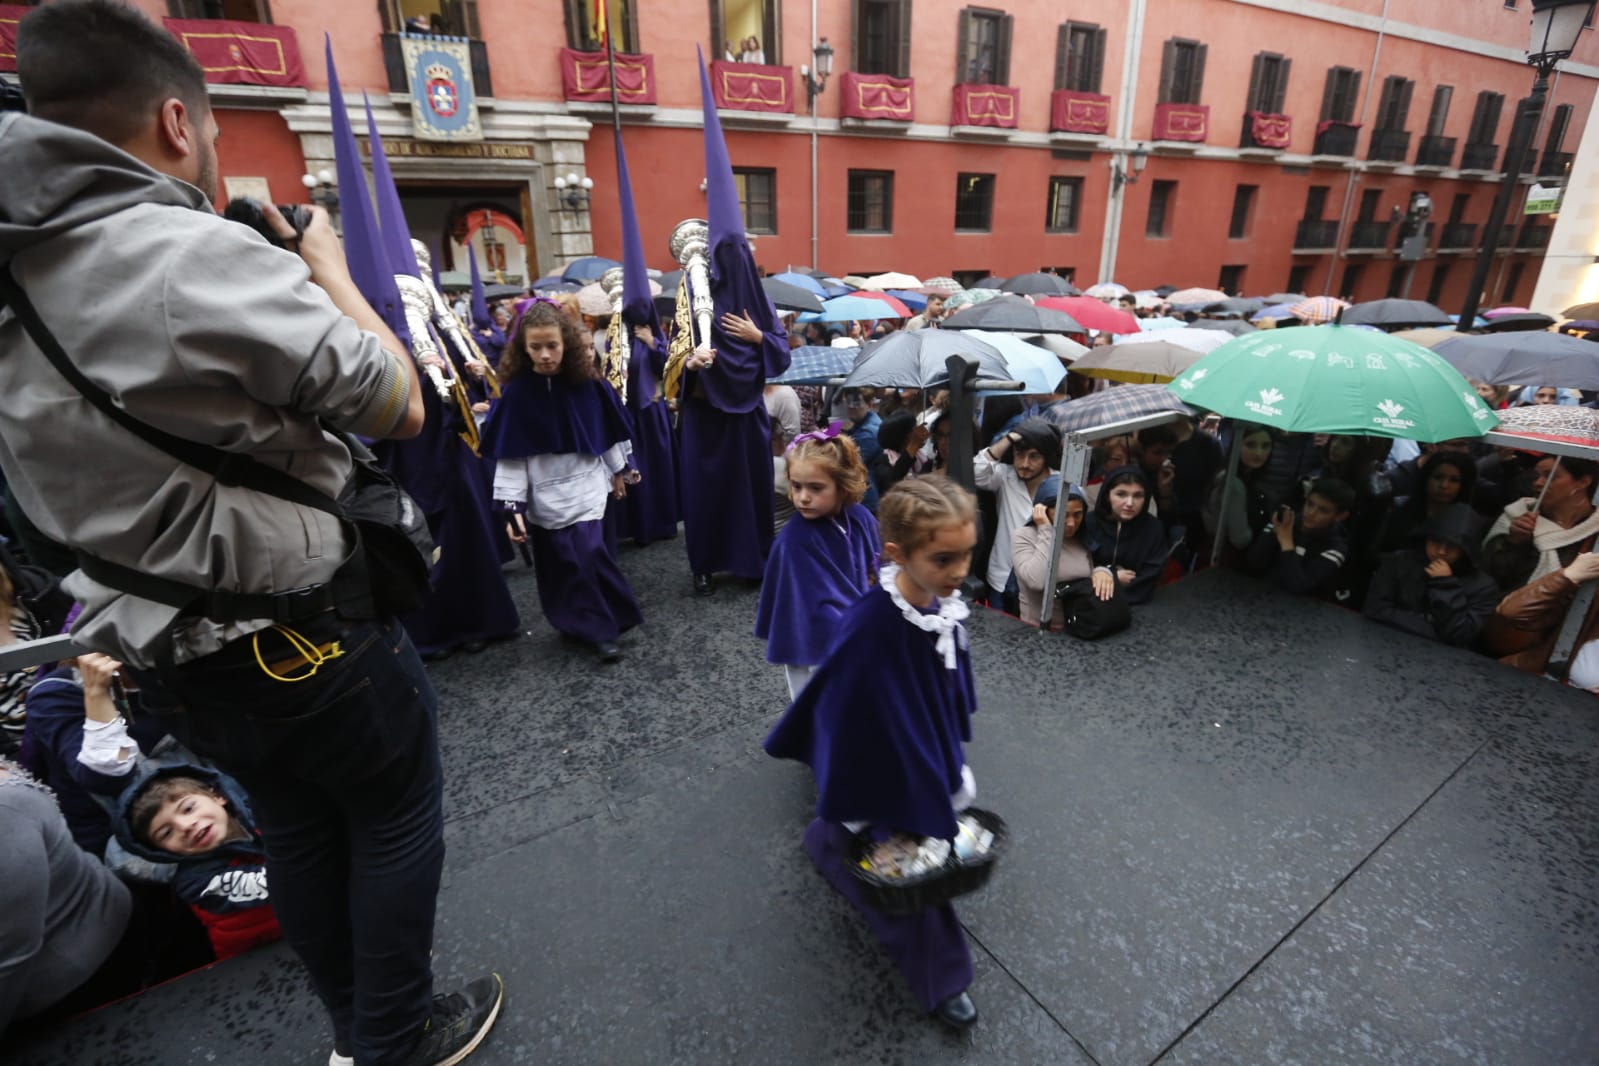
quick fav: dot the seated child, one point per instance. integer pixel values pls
(1436, 590)
(199, 821)
(1306, 556)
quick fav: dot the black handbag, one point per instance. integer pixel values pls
(386, 573)
(1087, 616)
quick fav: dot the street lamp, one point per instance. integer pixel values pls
(1137, 162)
(323, 188)
(816, 78)
(1556, 24)
(815, 82)
(573, 191)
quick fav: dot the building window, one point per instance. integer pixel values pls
(1485, 118)
(1067, 272)
(974, 202)
(1457, 208)
(1352, 272)
(746, 31)
(882, 43)
(582, 31)
(984, 40)
(1065, 203)
(1369, 200)
(871, 201)
(968, 278)
(1268, 83)
(1396, 278)
(1441, 97)
(1558, 123)
(236, 10)
(1079, 57)
(1440, 274)
(1342, 93)
(757, 195)
(1243, 210)
(1298, 275)
(1315, 205)
(1512, 281)
(1182, 71)
(1393, 112)
(1161, 195)
(1231, 280)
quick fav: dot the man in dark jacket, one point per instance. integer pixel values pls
(1437, 590)
(1306, 555)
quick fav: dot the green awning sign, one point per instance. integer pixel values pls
(1542, 200)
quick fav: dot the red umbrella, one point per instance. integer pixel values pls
(898, 305)
(1091, 313)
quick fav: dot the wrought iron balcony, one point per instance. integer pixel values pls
(1336, 138)
(1435, 151)
(1479, 157)
(1458, 237)
(394, 66)
(1533, 237)
(1389, 146)
(1370, 236)
(1315, 234)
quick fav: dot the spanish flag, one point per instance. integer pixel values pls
(600, 20)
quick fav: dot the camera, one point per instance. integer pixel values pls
(249, 212)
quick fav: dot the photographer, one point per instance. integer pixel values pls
(200, 328)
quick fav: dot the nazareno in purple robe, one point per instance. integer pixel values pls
(649, 511)
(818, 568)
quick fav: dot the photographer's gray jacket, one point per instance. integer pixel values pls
(195, 325)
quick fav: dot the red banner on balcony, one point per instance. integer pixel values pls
(1270, 131)
(1075, 112)
(1328, 123)
(752, 87)
(1181, 122)
(242, 53)
(586, 77)
(876, 96)
(10, 15)
(986, 105)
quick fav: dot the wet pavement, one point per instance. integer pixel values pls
(1248, 830)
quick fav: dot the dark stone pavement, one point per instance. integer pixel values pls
(1248, 831)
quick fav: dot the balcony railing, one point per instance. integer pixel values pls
(1458, 237)
(1315, 234)
(394, 66)
(1369, 236)
(1554, 165)
(1389, 146)
(1435, 151)
(1533, 237)
(1336, 138)
(1262, 130)
(1479, 157)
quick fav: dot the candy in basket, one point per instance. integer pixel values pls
(904, 874)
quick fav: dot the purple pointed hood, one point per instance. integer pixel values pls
(480, 305)
(392, 227)
(638, 306)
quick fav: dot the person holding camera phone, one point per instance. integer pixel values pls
(200, 329)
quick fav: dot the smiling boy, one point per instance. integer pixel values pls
(1306, 556)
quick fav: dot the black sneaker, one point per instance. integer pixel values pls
(458, 1023)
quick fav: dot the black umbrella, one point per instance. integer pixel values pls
(788, 297)
(1013, 316)
(1237, 327)
(1238, 305)
(666, 303)
(1164, 291)
(669, 281)
(1038, 284)
(1524, 359)
(501, 292)
(990, 282)
(914, 359)
(1520, 322)
(1390, 315)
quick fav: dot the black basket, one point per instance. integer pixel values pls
(909, 895)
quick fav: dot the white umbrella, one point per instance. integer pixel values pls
(1106, 290)
(891, 280)
(1062, 348)
(1034, 367)
(1195, 340)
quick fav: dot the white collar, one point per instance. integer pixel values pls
(946, 623)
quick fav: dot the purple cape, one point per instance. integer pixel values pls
(735, 381)
(815, 572)
(881, 724)
(539, 414)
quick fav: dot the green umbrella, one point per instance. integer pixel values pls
(1336, 379)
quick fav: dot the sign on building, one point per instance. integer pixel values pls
(443, 102)
(1542, 200)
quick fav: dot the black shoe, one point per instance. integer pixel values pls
(472, 647)
(458, 1023)
(704, 585)
(609, 651)
(438, 656)
(957, 1011)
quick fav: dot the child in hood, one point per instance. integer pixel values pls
(1436, 590)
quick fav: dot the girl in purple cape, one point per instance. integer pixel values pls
(560, 440)
(823, 560)
(882, 721)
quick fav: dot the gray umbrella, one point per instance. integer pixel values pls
(1237, 327)
(1389, 315)
(669, 281)
(1518, 322)
(1282, 298)
(788, 297)
(914, 359)
(1013, 316)
(1039, 284)
(1524, 359)
(990, 282)
(1238, 305)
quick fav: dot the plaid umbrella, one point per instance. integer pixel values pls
(1318, 309)
(1116, 404)
(815, 364)
(970, 298)
(941, 284)
(1196, 297)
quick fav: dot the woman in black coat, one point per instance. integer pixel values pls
(1123, 537)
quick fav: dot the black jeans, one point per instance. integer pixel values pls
(344, 779)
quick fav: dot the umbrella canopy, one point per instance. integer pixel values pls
(1282, 298)
(1034, 367)
(970, 298)
(1138, 364)
(941, 284)
(1237, 327)
(1061, 347)
(1038, 284)
(1202, 341)
(1551, 422)
(899, 308)
(786, 297)
(1333, 379)
(1318, 309)
(891, 280)
(816, 364)
(833, 287)
(804, 281)
(589, 268)
(914, 359)
(1113, 405)
(1497, 311)
(1581, 325)
(1149, 325)
(854, 309)
(1519, 322)
(1277, 312)
(554, 283)
(1394, 314)
(1013, 316)
(1582, 311)
(670, 280)
(1164, 291)
(1237, 305)
(1524, 359)
(1092, 313)
(1429, 337)
(990, 282)
(916, 301)
(501, 292)
(1146, 300)
(1106, 290)
(591, 300)
(1196, 297)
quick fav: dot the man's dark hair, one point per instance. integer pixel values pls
(1335, 492)
(1158, 436)
(101, 66)
(1581, 468)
